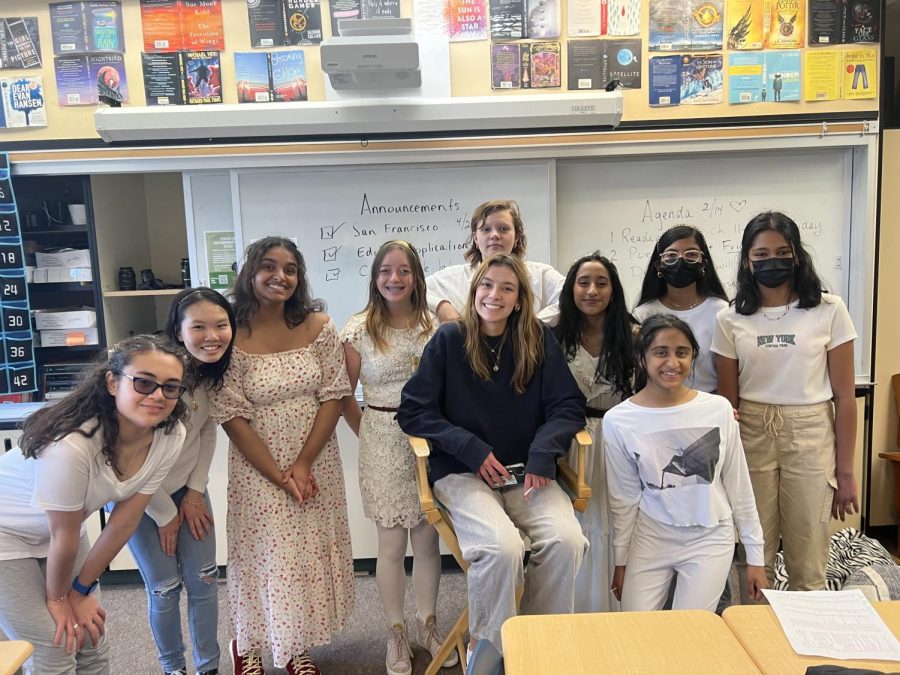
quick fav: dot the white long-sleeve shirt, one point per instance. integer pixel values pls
(683, 465)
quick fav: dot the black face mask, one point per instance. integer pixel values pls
(773, 272)
(682, 273)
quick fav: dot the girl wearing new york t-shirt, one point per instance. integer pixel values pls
(784, 357)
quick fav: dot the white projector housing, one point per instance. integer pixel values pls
(372, 54)
(360, 117)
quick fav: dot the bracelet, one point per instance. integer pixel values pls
(194, 503)
(60, 601)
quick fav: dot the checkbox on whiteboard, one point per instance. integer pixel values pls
(332, 275)
(329, 231)
(330, 254)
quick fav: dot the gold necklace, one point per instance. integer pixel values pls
(495, 351)
(140, 451)
(671, 304)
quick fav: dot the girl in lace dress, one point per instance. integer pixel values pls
(596, 334)
(382, 345)
(290, 567)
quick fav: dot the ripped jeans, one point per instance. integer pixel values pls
(194, 568)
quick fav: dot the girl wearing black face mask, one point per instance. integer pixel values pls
(681, 280)
(784, 357)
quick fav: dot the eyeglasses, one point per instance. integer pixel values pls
(692, 255)
(144, 386)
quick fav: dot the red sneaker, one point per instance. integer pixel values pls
(303, 665)
(246, 664)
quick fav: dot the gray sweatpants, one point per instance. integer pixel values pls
(487, 524)
(24, 616)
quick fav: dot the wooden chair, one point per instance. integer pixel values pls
(13, 653)
(894, 457)
(574, 482)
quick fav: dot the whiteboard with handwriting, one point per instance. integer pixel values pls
(339, 217)
(621, 207)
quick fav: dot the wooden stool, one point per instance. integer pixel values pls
(13, 653)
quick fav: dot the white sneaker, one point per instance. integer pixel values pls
(399, 655)
(428, 636)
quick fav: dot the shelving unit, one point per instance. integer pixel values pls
(141, 294)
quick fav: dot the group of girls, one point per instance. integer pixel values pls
(463, 359)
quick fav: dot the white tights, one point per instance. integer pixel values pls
(391, 576)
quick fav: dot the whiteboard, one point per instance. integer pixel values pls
(622, 206)
(340, 217)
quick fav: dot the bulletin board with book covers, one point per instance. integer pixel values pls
(675, 59)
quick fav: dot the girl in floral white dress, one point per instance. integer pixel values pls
(382, 345)
(290, 566)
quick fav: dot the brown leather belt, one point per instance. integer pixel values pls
(381, 409)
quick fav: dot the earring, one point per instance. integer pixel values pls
(516, 308)
(659, 274)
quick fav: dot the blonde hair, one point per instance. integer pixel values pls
(524, 332)
(473, 255)
(376, 311)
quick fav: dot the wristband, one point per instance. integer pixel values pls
(81, 588)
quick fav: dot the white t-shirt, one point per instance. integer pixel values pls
(702, 320)
(452, 284)
(69, 475)
(683, 466)
(783, 355)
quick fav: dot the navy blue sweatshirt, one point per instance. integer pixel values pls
(466, 418)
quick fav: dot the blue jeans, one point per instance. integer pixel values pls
(194, 567)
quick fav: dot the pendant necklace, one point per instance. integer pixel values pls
(495, 351)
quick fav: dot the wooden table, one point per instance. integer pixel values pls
(13, 653)
(758, 630)
(686, 641)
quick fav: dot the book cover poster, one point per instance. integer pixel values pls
(251, 71)
(431, 17)
(821, 75)
(587, 67)
(701, 79)
(506, 66)
(267, 22)
(860, 75)
(269, 77)
(744, 24)
(624, 62)
(161, 25)
(81, 27)
(746, 77)
(507, 19)
(163, 81)
(665, 80)
(545, 64)
(864, 19)
(202, 27)
(583, 18)
(544, 19)
(303, 21)
(82, 80)
(668, 26)
(374, 9)
(787, 24)
(621, 17)
(20, 43)
(343, 9)
(203, 77)
(467, 20)
(23, 101)
(782, 76)
(827, 22)
(289, 82)
(706, 24)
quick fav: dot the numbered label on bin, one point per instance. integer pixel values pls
(9, 225)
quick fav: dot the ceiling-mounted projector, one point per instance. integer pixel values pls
(374, 54)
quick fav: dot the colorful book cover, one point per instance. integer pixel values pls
(202, 27)
(161, 25)
(864, 20)
(827, 22)
(583, 18)
(860, 74)
(266, 20)
(507, 19)
(821, 75)
(82, 27)
(544, 19)
(587, 67)
(83, 80)
(163, 81)
(624, 62)
(20, 43)
(746, 77)
(744, 24)
(270, 76)
(706, 25)
(251, 72)
(467, 20)
(665, 80)
(783, 76)
(622, 17)
(202, 77)
(545, 66)
(787, 24)
(289, 82)
(23, 101)
(506, 66)
(701, 79)
(303, 21)
(668, 26)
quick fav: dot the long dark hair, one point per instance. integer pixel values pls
(645, 336)
(92, 401)
(211, 375)
(654, 286)
(616, 363)
(806, 283)
(300, 305)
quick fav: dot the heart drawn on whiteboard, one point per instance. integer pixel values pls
(738, 205)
